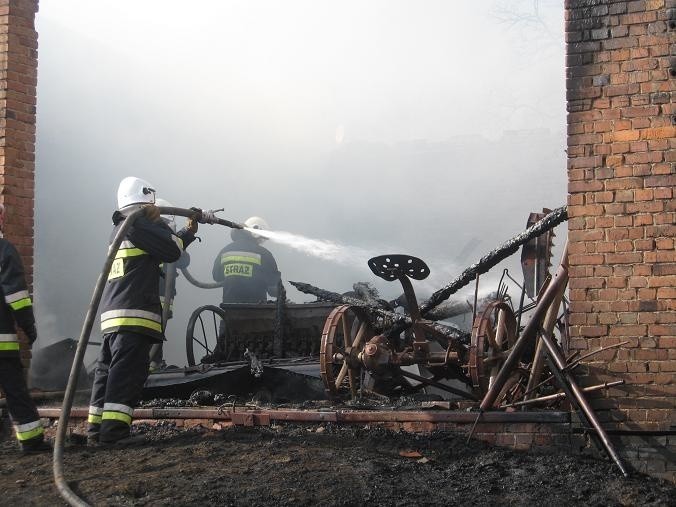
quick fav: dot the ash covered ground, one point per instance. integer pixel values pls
(319, 465)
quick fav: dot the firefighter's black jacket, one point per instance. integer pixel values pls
(248, 271)
(131, 299)
(16, 307)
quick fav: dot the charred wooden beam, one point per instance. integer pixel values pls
(456, 336)
(454, 308)
(494, 257)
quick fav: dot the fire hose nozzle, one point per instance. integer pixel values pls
(209, 217)
(206, 216)
(202, 216)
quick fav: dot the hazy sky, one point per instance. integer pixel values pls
(391, 126)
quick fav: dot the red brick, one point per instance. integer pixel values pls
(667, 180)
(644, 157)
(584, 186)
(624, 195)
(665, 269)
(641, 170)
(617, 208)
(663, 193)
(603, 222)
(645, 207)
(668, 132)
(633, 112)
(662, 169)
(667, 342)
(617, 282)
(644, 195)
(624, 221)
(588, 210)
(622, 258)
(669, 366)
(586, 259)
(622, 147)
(625, 135)
(594, 330)
(647, 293)
(625, 183)
(603, 197)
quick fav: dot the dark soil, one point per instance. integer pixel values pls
(320, 465)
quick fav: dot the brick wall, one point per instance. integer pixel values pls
(621, 68)
(18, 80)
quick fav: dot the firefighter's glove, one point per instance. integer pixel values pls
(152, 212)
(32, 334)
(192, 225)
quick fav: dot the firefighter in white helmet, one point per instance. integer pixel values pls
(131, 314)
(248, 270)
(16, 310)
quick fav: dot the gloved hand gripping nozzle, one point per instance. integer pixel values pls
(202, 216)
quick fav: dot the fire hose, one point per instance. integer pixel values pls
(59, 478)
(197, 283)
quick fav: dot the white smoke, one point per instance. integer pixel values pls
(442, 271)
(324, 249)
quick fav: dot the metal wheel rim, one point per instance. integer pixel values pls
(483, 342)
(338, 375)
(202, 333)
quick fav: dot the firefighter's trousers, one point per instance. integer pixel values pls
(21, 407)
(121, 371)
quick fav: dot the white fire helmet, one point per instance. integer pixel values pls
(134, 190)
(257, 223)
(170, 219)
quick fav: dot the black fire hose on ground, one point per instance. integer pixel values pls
(59, 478)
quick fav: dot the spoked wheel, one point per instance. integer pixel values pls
(205, 339)
(346, 331)
(493, 335)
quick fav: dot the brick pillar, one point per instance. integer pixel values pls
(621, 140)
(18, 81)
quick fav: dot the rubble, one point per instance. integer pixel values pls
(321, 465)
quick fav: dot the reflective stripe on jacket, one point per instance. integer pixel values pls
(16, 307)
(248, 271)
(131, 299)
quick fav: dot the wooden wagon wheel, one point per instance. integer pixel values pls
(493, 334)
(206, 335)
(346, 331)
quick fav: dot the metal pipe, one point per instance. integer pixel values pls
(347, 416)
(571, 366)
(594, 352)
(578, 397)
(59, 478)
(438, 385)
(558, 396)
(548, 325)
(529, 333)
